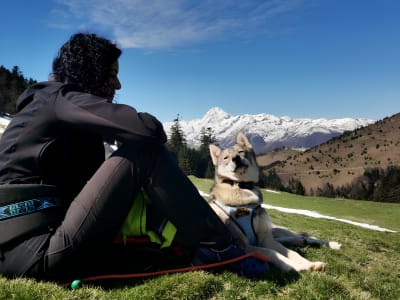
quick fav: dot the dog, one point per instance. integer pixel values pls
(237, 200)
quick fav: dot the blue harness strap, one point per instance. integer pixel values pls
(242, 216)
(26, 207)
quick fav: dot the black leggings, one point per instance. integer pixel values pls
(96, 215)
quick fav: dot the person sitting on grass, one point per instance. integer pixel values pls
(57, 139)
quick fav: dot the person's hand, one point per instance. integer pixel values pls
(154, 125)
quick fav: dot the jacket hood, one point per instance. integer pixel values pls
(27, 96)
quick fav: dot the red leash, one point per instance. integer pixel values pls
(76, 283)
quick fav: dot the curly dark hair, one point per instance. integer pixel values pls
(86, 60)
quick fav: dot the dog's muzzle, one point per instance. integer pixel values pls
(240, 163)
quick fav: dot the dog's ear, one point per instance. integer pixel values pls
(215, 151)
(242, 140)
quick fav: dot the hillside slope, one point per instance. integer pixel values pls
(340, 160)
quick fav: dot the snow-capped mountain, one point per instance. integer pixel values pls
(266, 132)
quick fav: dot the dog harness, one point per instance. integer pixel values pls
(242, 216)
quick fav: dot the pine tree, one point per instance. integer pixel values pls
(177, 138)
(207, 137)
(271, 180)
(12, 84)
(295, 186)
(184, 161)
(388, 185)
(177, 146)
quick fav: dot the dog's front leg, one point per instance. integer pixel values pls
(278, 260)
(266, 244)
(298, 262)
(263, 227)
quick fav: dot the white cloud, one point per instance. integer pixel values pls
(170, 23)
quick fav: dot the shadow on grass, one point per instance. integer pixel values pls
(280, 278)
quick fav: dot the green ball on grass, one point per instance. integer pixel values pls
(76, 284)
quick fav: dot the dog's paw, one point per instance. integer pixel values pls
(334, 245)
(318, 266)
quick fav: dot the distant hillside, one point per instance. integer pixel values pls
(12, 84)
(340, 160)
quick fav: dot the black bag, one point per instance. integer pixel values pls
(26, 209)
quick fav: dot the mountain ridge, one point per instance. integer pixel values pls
(265, 131)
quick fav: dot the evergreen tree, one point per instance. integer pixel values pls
(177, 139)
(177, 146)
(271, 180)
(388, 186)
(12, 84)
(191, 161)
(210, 170)
(327, 191)
(184, 161)
(296, 187)
(207, 137)
(196, 162)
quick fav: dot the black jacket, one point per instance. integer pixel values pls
(57, 136)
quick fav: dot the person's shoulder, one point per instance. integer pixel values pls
(47, 85)
(28, 95)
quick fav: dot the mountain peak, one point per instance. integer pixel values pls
(214, 114)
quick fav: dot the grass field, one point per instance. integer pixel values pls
(367, 266)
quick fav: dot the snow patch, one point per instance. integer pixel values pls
(317, 215)
(272, 191)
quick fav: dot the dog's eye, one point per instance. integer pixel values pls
(226, 157)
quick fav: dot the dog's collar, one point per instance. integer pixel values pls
(226, 207)
(248, 185)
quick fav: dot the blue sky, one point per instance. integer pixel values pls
(297, 58)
